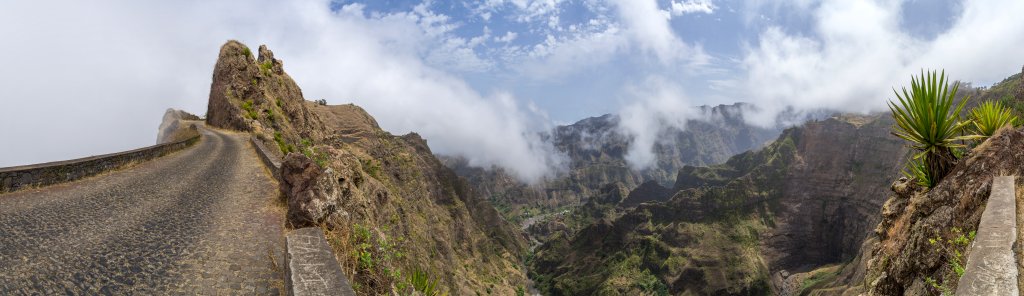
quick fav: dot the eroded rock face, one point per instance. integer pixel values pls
(310, 196)
(232, 77)
(832, 195)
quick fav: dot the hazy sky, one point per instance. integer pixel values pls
(479, 78)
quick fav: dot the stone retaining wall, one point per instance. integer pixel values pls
(310, 266)
(269, 159)
(991, 266)
(35, 175)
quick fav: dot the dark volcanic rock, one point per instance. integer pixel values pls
(311, 197)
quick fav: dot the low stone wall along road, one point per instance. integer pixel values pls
(201, 221)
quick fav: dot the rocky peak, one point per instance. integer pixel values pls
(231, 74)
(256, 95)
(267, 58)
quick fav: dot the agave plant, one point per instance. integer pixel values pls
(989, 117)
(927, 117)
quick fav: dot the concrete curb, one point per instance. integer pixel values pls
(310, 266)
(991, 267)
(43, 174)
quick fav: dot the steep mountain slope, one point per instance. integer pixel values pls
(596, 152)
(389, 207)
(739, 228)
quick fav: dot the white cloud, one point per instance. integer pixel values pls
(95, 78)
(692, 6)
(854, 67)
(657, 106)
(508, 37)
(648, 26)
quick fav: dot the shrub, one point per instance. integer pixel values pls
(989, 117)
(954, 252)
(927, 118)
(250, 112)
(265, 67)
(281, 144)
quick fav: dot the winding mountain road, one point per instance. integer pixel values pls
(203, 220)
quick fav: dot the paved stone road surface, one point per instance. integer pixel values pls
(200, 221)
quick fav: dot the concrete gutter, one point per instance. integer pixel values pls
(35, 175)
(310, 267)
(991, 266)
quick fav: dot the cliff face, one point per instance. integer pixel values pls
(831, 196)
(740, 228)
(388, 206)
(596, 151)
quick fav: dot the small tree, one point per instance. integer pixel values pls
(927, 117)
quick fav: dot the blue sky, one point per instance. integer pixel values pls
(481, 79)
(507, 31)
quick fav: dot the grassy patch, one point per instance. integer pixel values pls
(281, 144)
(265, 67)
(250, 112)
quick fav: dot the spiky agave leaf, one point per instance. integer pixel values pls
(989, 117)
(918, 171)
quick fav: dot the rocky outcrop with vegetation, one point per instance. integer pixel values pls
(390, 209)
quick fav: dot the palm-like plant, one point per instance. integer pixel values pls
(927, 117)
(989, 117)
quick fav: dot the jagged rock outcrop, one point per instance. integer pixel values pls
(383, 198)
(311, 192)
(259, 97)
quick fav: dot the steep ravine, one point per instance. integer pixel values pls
(739, 228)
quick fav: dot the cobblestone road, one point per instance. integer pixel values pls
(200, 221)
